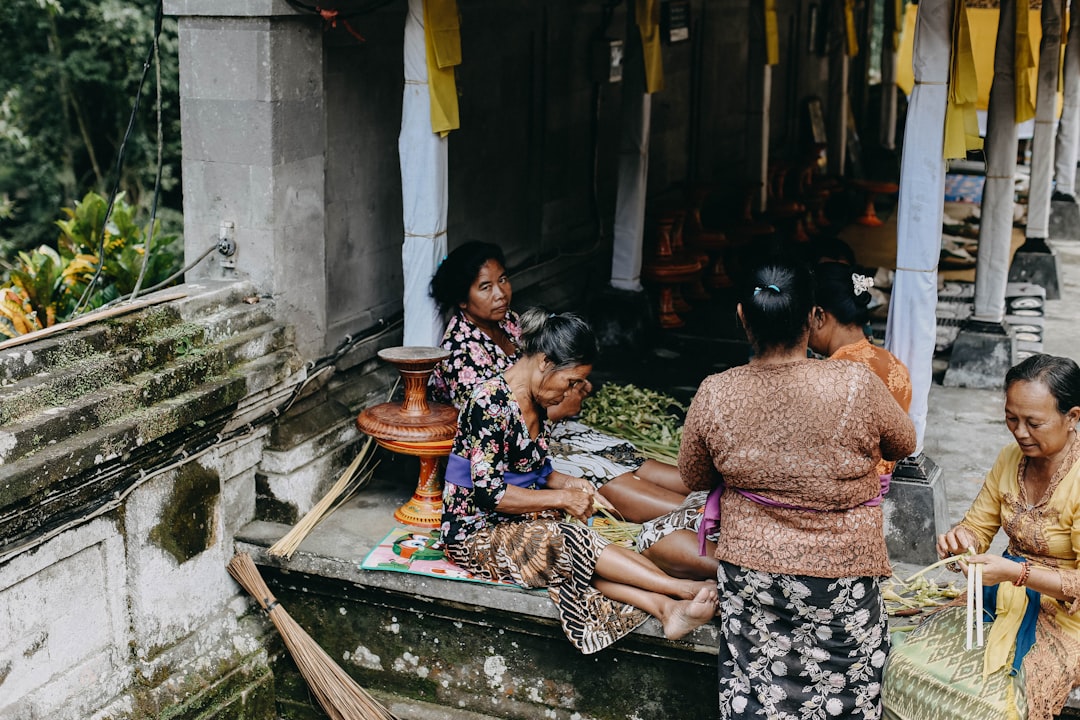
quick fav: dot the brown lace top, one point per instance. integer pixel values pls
(807, 434)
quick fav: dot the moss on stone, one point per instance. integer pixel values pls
(188, 524)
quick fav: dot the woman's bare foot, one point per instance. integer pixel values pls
(685, 615)
(692, 588)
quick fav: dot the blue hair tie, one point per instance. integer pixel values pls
(774, 288)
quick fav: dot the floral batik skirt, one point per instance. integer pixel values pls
(685, 517)
(561, 557)
(578, 450)
(795, 647)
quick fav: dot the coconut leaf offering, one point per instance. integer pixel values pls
(651, 420)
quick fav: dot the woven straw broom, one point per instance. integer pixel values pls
(336, 691)
(355, 476)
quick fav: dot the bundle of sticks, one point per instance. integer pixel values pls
(336, 691)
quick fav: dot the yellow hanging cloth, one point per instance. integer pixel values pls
(849, 28)
(1024, 65)
(647, 16)
(961, 120)
(442, 36)
(772, 34)
(1011, 604)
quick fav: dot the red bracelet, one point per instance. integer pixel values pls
(1025, 570)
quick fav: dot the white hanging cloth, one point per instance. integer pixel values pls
(424, 189)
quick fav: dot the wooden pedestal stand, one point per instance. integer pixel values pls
(415, 427)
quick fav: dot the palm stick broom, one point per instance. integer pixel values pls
(338, 694)
(355, 477)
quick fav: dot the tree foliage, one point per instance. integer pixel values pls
(69, 71)
(46, 284)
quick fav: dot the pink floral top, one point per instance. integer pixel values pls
(474, 357)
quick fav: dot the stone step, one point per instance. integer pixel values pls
(207, 305)
(57, 414)
(478, 648)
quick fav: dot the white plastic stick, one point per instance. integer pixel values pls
(978, 604)
(971, 607)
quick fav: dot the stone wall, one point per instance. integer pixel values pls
(134, 449)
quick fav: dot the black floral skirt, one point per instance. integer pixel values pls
(795, 647)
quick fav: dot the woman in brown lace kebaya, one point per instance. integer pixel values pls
(1031, 594)
(790, 446)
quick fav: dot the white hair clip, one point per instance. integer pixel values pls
(861, 283)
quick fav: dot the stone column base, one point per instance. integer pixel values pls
(982, 354)
(916, 511)
(1035, 262)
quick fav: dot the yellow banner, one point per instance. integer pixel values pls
(1024, 67)
(442, 37)
(772, 34)
(961, 120)
(647, 16)
(849, 28)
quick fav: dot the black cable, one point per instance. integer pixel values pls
(147, 246)
(120, 163)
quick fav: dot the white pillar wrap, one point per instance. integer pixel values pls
(424, 191)
(1068, 134)
(995, 227)
(912, 325)
(1042, 145)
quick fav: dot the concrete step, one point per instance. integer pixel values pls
(100, 390)
(490, 650)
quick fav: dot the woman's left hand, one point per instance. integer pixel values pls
(996, 569)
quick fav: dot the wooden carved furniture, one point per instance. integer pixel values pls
(415, 427)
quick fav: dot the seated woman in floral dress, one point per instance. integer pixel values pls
(504, 506)
(483, 338)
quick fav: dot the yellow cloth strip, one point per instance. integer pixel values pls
(1011, 604)
(1024, 66)
(849, 28)
(647, 16)
(961, 120)
(772, 34)
(442, 36)
(898, 23)
(983, 22)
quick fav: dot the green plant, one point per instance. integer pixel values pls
(45, 284)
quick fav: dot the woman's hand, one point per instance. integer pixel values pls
(571, 402)
(996, 569)
(578, 501)
(578, 494)
(956, 542)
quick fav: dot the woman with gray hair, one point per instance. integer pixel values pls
(505, 510)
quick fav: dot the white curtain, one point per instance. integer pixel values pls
(424, 193)
(632, 192)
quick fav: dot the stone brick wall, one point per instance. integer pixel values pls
(130, 461)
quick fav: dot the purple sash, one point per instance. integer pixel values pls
(710, 519)
(459, 472)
